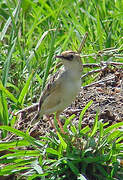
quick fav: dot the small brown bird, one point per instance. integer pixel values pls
(62, 88)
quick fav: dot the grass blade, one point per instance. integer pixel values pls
(110, 128)
(4, 30)
(8, 94)
(18, 133)
(63, 143)
(7, 64)
(94, 129)
(25, 90)
(82, 114)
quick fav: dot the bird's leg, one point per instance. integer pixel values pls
(52, 124)
(35, 119)
(59, 122)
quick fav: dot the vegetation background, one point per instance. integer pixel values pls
(31, 33)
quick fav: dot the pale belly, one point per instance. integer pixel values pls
(70, 93)
(66, 97)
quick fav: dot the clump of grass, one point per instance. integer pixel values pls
(80, 153)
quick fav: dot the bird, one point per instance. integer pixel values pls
(61, 88)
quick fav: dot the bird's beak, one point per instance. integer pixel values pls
(59, 56)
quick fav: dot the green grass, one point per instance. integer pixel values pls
(31, 33)
(93, 154)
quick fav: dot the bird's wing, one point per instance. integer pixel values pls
(52, 86)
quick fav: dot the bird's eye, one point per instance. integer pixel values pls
(70, 57)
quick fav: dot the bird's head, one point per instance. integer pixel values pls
(71, 60)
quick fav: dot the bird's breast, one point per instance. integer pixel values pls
(70, 90)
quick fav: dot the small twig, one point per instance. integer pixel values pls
(108, 51)
(88, 55)
(94, 71)
(115, 63)
(103, 63)
(118, 55)
(99, 82)
(91, 65)
(83, 42)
